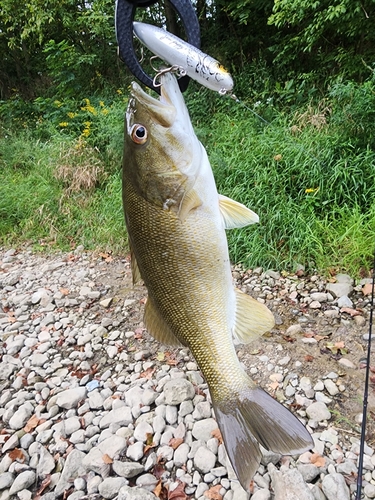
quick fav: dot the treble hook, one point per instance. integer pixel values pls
(175, 68)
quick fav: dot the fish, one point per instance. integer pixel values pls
(176, 223)
(192, 61)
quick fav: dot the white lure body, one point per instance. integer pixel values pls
(199, 66)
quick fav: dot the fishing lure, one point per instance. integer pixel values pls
(188, 59)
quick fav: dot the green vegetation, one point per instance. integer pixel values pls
(299, 147)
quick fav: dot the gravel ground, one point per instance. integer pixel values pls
(93, 408)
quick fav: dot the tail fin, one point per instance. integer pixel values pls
(255, 417)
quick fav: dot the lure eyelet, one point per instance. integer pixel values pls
(138, 134)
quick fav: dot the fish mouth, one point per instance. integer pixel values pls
(169, 108)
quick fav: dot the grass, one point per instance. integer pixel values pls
(311, 181)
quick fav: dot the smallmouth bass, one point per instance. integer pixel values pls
(176, 224)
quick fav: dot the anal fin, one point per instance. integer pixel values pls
(235, 214)
(157, 327)
(253, 319)
(136, 273)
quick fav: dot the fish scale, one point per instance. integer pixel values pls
(176, 224)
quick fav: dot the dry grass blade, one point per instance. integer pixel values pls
(314, 117)
(80, 168)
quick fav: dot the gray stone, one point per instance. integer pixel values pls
(317, 492)
(330, 436)
(6, 370)
(23, 481)
(319, 296)
(135, 451)
(346, 363)
(289, 485)
(204, 460)
(93, 461)
(202, 410)
(369, 490)
(343, 278)
(71, 425)
(120, 416)
(127, 469)
(142, 430)
(309, 471)
(21, 416)
(186, 407)
(110, 487)
(294, 329)
(76, 495)
(318, 412)
(269, 457)
(331, 387)
(165, 453)
(106, 302)
(344, 301)
(147, 481)
(148, 397)
(339, 289)
(158, 424)
(202, 429)
(181, 455)
(96, 400)
(12, 443)
(43, 296)
(171, 414)
(178, 390)
(334, 487)
(262, 494)
(347, 468)
(135, 493)
(6, 480)
(46, 463)
(201, 488)
(114, 446)
(71, 397)
(73, 468)
(315, 305)
(134, 397)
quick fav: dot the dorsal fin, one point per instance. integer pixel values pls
(253, 319)
(235, 214)
(157, 327)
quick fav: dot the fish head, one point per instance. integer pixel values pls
(162, 153)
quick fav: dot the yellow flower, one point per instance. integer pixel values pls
(71, 115)
(63, 124)
(311, 190)
(86, 132)
(119, 91)
(105, 111)
(101, 104)
(87, 124)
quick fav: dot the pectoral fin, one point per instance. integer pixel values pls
(235, 214)
(252, 318)
(157, 327)
(190, 201)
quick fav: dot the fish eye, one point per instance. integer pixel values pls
(138, 133)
